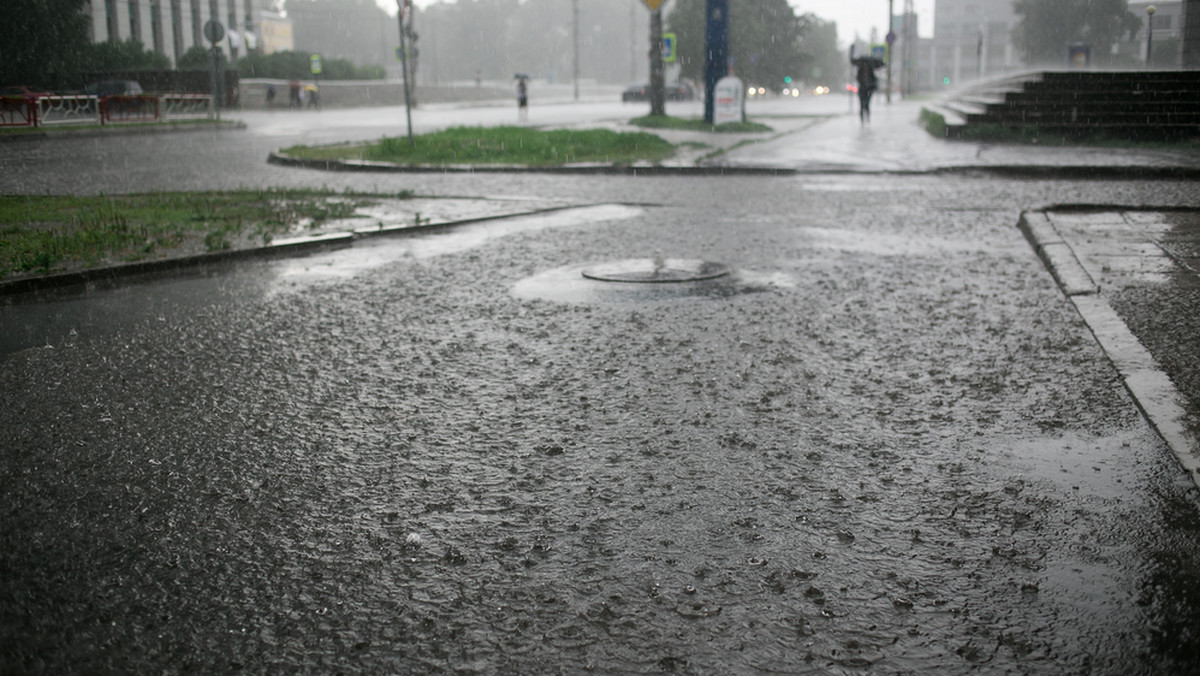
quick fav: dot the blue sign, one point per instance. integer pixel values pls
(668, 48)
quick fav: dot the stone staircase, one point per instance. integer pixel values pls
(1159, 106)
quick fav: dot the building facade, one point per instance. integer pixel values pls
(972, 39)
(171, 27)
(1167, 41)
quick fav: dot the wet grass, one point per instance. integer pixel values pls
(42, 233)
(502, 145)
(697, 124)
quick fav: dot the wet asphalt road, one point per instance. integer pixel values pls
(885, 444)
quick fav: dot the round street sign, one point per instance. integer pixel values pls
(213, 31)
(891, 37)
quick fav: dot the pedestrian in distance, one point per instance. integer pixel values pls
(294, 100)
(522, 98)
(867, 84)
(270, 97)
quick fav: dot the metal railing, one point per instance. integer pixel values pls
(18, 112)
(82, 109)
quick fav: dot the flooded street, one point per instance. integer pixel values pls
(885, 442)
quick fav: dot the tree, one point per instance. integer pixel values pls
(822, 61)
(764, 40)
(1046, 27)
(198, 57)
(44, 41)
(125, 55)
(355, 30)
(295, 66)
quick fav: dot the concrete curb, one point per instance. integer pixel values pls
(1057, 255)
(1160, 402)
(1085, 172)
(583, 169)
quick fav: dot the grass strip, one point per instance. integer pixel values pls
(43, 233)
(502, 145)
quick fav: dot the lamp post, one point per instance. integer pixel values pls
(1149, 33)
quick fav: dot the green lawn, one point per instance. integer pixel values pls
(502, 145)
(44, 233)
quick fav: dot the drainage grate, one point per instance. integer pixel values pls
(656, 271)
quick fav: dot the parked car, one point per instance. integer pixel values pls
(24, 92)
(676, 91)
(113, 88)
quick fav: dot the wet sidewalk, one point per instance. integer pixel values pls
(894, 141)
(1133, 276)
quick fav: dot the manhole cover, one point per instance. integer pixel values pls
(656, 271)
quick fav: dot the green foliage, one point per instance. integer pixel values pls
(295, 66)
(44, 42)
(111, 56)
(39, 233)
(933, 122)
(767, 40)
(504, 145)
(1046, 27)
(358, 31)
(198, 57)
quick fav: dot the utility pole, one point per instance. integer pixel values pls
(716, 52)
(404, 67)
(657, 104)
(891, 40)
(908, 75)
(575, 31)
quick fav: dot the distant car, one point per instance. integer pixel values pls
(24, 92)
(678, 91)
(113, 88)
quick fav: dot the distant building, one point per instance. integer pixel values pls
(171, 27)
(276, 33)
(1168, 31)
(909, 54)
(971, 39)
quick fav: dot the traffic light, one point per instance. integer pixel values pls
(787, 79)
(945, 80)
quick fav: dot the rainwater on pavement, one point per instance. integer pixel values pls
(885, 443)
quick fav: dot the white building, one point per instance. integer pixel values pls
(971, 39)
(171, 27)
(1168, 29)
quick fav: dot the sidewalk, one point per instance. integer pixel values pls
(1134, 277)
(894, 142)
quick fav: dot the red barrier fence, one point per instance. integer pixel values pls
(18, 111)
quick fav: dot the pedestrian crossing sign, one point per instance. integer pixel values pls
(668, 48)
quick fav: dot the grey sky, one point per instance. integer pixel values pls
(852, 16)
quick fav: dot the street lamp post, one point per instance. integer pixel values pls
(1149, 34)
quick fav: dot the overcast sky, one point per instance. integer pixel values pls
(852, 16)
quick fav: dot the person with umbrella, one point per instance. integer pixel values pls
(864, 67)
(522, 96)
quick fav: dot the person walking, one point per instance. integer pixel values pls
(867, 84)
(522, 99)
